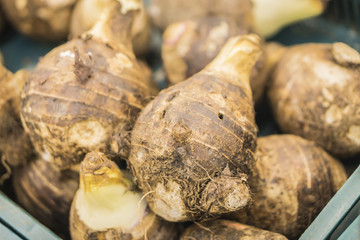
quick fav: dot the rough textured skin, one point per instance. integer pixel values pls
(41, 19)
(87, 12)
(189, 46)
(225, 230)
(15, 144)
(164, 12)
(192, 146)
(83, 92)
(96, 172)
(292, 181)
(315, 94)
(46, 193)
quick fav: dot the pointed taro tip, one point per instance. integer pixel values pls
(237, 48)
(130, 5)
(253, 38)
(246, 44)
(93, 161)
(98, 171)
(241, 52)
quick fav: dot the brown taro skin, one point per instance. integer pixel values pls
(164, 12)
(15, 144)
(86, 91)
(78, 96)
(225, 230)
(86, 13)
(46, 20)
(192, 146)
(292, 181)
(46, 193)
(315, 93)
(190, 45)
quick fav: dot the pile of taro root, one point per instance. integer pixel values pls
(95, 144)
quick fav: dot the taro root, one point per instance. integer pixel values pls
(225, 229)
(164, 12)
(46, 193)
(292, 182)
(15, 144)
(108, 206)
(192, 146)
(188, 46)
(86, 90)
(87, 12)
(41, 19)
(266, 17)
(271, 16)
(315, 93)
